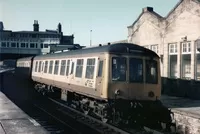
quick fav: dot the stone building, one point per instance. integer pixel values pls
(173, 38)
(16, 44)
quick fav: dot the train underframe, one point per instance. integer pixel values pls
(116, 111)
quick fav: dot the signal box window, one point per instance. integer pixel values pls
(56, 67)
(151, 72)
(50, 67)
(79, 68)
(45, 66)
(62, 69)
(36, 66)
(100, 68)
(135, 70)
(119, 69)
(67, 71)
(40, 64)
(90, 68)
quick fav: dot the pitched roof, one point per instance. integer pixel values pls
(159, 16)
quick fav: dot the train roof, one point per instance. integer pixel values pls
(25, 58)
(118, 48)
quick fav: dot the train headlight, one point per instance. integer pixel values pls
(151, 94)
(117, 92)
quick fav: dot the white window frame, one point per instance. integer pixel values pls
(186, 47)
(173, 48)
(154, 48)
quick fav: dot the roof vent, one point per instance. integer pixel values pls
(150, 9)
(108, 43)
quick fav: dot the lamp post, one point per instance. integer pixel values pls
(90, 37)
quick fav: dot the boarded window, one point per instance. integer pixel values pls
(90, 68)
(79, 68)
(62, 69)
(46, 66)
(100, 68)
(40, 64)
(56, 67)
(50, 67)
(36, 66)
(67, 70)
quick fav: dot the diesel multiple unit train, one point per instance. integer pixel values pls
(118, 83)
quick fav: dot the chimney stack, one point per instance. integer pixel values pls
(150, 9)
(36, 26)
(1, 26)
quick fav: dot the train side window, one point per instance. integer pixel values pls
(90, 68)
(56, 67)
(40, 64)
(67, 70)
(62, 69)
(50, 67)
(100, 68)
(36, 66)
(79, 68)
(72, 69)
(45, 66)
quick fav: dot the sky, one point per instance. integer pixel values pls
(108, 19)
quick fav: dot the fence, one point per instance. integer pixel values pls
(181, 88)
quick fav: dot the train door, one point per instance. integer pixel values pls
(100, 75)
(71, 71)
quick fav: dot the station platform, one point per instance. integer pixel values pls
(186, 113)
(14, 121)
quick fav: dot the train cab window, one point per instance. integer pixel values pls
(151, 72)
(135, 70)
(90, 68)
(79, 68)
(50, 67)
(56, 67)
(119, 69)
(40, 64)
(62, 69)
(67, 70)
(100, 68)
(72, 69)
(45, 66)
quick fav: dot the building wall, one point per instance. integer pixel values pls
(181, 25)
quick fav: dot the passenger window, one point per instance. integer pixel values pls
(62, 69)
(50, 67)
(36, 66)
(79, 68)
(90, 68)
(67, 71)
(46, 66)
(56, 67)
(40, 64)
(100, 68)
(119, 69)
(72, 69)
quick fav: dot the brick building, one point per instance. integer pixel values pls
(173, 38)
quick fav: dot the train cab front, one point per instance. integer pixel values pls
(135, 89)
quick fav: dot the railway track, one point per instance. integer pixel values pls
(98, 125)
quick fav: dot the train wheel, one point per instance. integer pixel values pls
(104, 120)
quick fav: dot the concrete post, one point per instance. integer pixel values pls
(179, 60)
(193, 60)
